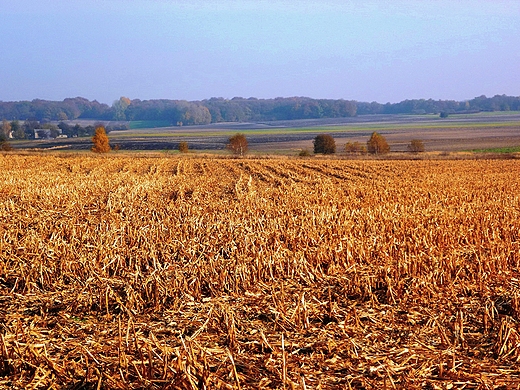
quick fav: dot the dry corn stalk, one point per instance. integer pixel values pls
(152, 272)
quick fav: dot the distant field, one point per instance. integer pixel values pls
(499, 150)
(220, 273)
(456, 133)
(148, 124)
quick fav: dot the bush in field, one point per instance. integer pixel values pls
(183, 147)
(355, 148)
(324, 143)
(238, 144)
(304, 153)
(416, 146)
(377, 144)
(100, 141)
(4, 145)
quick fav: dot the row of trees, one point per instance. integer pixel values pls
(377, 144)
(323, 144)
(182, 112)
(28, 129)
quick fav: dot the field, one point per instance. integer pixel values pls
(218, 273)
(482, 131)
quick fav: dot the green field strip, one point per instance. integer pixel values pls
(506, 149)
(317, 129)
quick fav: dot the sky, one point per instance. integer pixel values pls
(364, 50)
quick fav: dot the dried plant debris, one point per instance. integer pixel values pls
(208, 273)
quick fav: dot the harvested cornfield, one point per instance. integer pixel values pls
(193, 273)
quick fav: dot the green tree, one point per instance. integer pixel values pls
(65, 129)
(17, 130)
(100, 141)
(29, 126)
(54, 130)
(377, 144)
(120, 107)
(324, 143)
(238, 144)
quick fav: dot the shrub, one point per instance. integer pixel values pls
(416, 146)
(377, 144)
(5, 146)
(238, 144)
(183, 147)
(324, 143)
(304, 153)
(355, 148)
(100, 141)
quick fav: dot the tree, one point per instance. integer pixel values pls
(183, 147)
(416, 146)
(100, 141)
(54, 130)
(4, 136)
(29, 126)
(17, 130)
(6, 130)
(65, 129)
(444, 114)
(355, 148)
(120, 107)
(238, 144)
(377, 144)
(324, 143)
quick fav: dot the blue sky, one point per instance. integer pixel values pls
(384, 51)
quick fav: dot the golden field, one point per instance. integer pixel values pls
(196, 272)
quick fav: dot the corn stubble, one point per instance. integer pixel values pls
(209, 273)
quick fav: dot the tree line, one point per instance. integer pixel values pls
(237, 109)
(32, 128)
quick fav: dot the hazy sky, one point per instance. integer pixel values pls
(384, 51)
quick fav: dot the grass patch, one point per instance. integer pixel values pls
(507, 149)
(149, 124)
(484, 114)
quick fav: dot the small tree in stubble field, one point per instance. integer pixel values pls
(416, 146)
(324, 143)
(100, 141)
(237, 144)
(183, 147)
(377, 144)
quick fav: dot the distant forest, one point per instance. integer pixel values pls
(181, 112)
